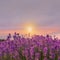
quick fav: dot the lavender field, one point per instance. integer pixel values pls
(37, 47)
(29, 29)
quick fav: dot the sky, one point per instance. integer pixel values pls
(44, 15)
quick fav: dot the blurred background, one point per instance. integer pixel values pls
(40, 16)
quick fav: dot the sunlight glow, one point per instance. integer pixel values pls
(29, 29)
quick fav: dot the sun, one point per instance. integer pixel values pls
(29, 29)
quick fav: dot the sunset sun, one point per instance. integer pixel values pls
(29, 29)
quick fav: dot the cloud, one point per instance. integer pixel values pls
(45, 13)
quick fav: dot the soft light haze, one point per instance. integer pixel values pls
(43, 14)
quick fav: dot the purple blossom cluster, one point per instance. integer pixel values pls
(37, 47)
